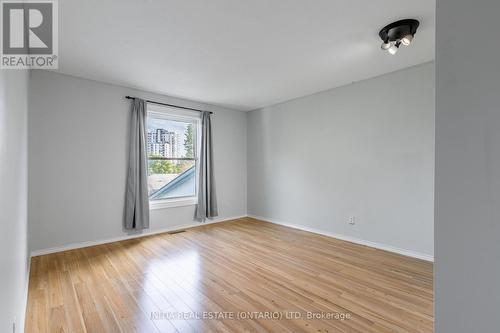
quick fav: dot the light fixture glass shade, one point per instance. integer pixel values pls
(406, 40)
(393, 49)
(385, 45)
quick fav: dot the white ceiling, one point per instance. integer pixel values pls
(242, 54)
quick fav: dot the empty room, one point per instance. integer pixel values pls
(249, 166)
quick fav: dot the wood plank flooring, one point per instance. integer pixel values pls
(275, 279)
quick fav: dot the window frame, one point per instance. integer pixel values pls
(174, 114)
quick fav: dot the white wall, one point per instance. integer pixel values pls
(13, 198)
(363, 150)
(78, 153)
(467, 273)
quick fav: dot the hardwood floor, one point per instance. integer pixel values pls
(159, 283)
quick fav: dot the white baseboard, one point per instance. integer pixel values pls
(390, 248)
(79, 245)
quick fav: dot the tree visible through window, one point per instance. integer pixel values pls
(171, 148)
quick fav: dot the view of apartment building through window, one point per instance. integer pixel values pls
(164, 143)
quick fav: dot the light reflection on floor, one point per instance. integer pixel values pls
(173, 283)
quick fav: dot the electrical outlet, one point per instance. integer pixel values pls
(351, 220)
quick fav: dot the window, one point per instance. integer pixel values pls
(172, 149)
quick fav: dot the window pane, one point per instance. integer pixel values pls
(171, 138)
(171, 179)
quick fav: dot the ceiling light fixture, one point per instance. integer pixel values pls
(398, 33)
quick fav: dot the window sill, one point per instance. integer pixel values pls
(169, 203)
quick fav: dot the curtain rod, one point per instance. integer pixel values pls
(166, 104)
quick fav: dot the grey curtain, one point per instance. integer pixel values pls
(136, 214)
(207, 200)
